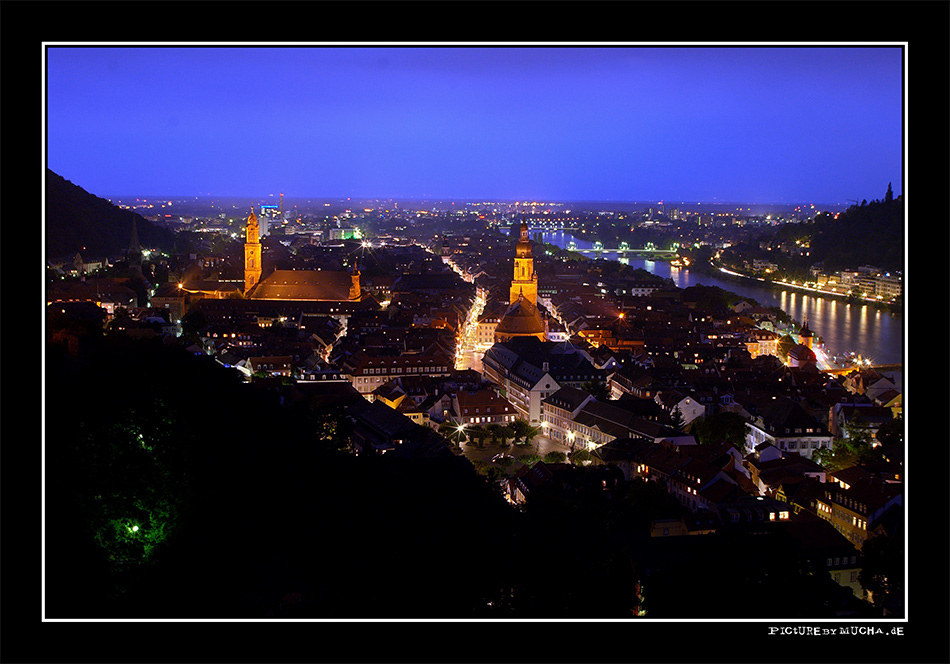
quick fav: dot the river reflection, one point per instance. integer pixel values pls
(843, 326)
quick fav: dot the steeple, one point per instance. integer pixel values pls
(523, 248)
(805, 335)
(252, 253)
(356, 290)
(525, 279)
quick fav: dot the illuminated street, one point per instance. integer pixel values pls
(468, 355)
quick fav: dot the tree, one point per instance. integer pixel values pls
(891, 432)
(598, 389)
(478, 434)
(580, 456)
(193, 324)
(882, 569)
(854, 448)
(454, 433)
(504, 433)
(721, 428)
(524, 430)
(785, 344)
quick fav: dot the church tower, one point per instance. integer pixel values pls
(252, 253)
(356, 292)
(525, 281)
(805, 336)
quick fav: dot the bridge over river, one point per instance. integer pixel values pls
(624, 250)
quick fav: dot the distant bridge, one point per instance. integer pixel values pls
(624, 249)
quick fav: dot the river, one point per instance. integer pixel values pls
(875, 334)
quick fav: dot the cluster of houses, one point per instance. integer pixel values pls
(628, 367)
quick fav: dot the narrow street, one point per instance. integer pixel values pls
(467, 355)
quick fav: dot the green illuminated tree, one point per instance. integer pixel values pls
(854, 448)
(785, 344)
(136, 479)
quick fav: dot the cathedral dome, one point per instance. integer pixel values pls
(521, 320)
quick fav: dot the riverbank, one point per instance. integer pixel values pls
(867, 329)
(732, 275)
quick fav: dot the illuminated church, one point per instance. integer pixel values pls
(295, 285)
(522, 319)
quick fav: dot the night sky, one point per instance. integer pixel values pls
(796, 124)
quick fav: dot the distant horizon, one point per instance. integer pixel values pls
(462, 201)
(477, 200)
(473, 200)
(466, 201)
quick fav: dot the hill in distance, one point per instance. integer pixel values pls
(77, 221)
(866, 234)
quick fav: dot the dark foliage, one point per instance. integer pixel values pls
(248, 507)
(733, 575)
(712, 297)
(867, 234)
(261, 512)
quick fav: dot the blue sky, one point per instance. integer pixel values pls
(768, 124)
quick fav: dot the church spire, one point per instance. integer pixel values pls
(525, 280)
(252, 253)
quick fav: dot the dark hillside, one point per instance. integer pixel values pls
(866, 234)
(77, 221)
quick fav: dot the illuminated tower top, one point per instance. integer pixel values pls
(806, 336)
(523, 248)
(525, 279)
(253, 229)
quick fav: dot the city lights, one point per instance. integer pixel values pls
(426, 387)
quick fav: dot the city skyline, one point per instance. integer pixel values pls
(753, 124)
